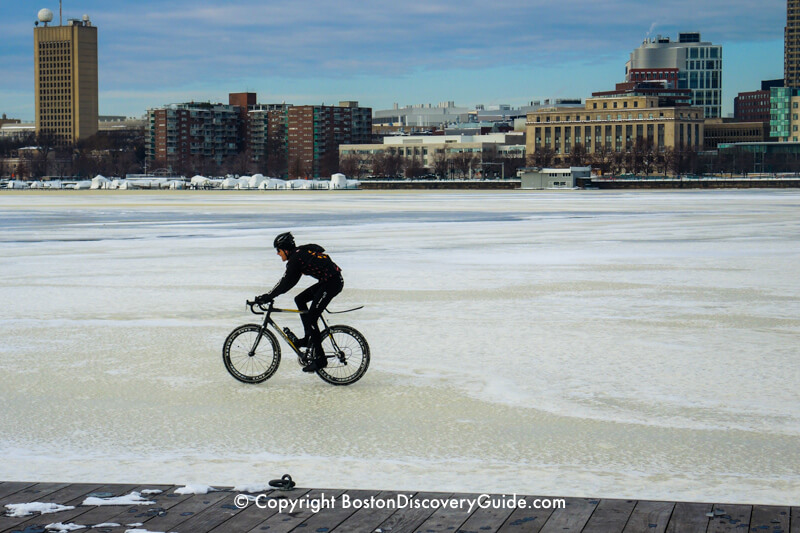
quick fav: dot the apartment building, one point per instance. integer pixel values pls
(65, 78)
(791, 44)
(180, 133)
(314, 134)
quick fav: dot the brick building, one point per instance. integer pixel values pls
(314, 134)
(276, 139)
(182, 135)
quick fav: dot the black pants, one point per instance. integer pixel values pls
(319, 296)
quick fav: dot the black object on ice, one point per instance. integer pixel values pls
(284, 483)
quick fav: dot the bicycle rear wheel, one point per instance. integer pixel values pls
(250, 365)
(347, 352)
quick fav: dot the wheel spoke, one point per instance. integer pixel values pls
(253, 368)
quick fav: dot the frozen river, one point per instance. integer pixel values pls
(608, 344)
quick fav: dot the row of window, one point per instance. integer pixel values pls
(609, 131)
(53, 45)
(619, 116)
(714, 64)
(697, 52)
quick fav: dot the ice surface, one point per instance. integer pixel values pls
(609, 344)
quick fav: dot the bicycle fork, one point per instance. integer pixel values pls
(259, 336)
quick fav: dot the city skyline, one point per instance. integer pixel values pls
(308, 52)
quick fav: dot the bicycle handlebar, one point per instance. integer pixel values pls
(272, 309)
(269, 308)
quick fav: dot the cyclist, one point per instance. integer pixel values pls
(308, 259)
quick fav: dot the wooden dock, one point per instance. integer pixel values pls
(358, 511)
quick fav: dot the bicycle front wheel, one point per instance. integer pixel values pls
(247, 361)
(347, 352)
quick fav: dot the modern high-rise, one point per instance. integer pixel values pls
(65, 68)
(698, 64)
(791, 44)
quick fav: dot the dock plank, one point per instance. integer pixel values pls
(450, 515)
(9, 488)
(283, 522)
(72, 498)
(527, 519)
(103, 514)
(571, 518)
(214, 516)
(253, 514)
(337, 513)
(770, 519)
(649, 517)
(217, 512)
(168, 519)
(490, 514)
(408, 519)
(610, 516)
(728, 518)
(40, 493)
(794, 521)
(369, 519)
(689, 518)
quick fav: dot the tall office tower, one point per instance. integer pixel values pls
(65, 67)
(699, 67)
(791, 45)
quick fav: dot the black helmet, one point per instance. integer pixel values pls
(284, 241)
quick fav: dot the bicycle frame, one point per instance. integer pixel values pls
(268, 321)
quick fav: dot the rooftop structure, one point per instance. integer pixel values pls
(698, 64)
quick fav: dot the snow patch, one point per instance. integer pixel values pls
(63, 528)
(252, 488)
(16, 510)
(134, 498)
(195, 489)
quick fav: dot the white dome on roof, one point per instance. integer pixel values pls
(45, 15)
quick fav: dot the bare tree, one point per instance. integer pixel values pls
(296, 169)
(351, 165)
(463, 162)
(440, 164)
(543, 157)
(578, 156)
(617, 162)
(601, 159)
(414, 167)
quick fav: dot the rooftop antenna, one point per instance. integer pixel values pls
(60, 19)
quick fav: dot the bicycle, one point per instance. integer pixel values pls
(251, 352)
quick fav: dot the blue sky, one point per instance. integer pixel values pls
(383, 52)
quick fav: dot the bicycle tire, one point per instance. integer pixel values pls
(247, 368)
(352, 361)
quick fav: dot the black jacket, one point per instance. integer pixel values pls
(310, 260)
